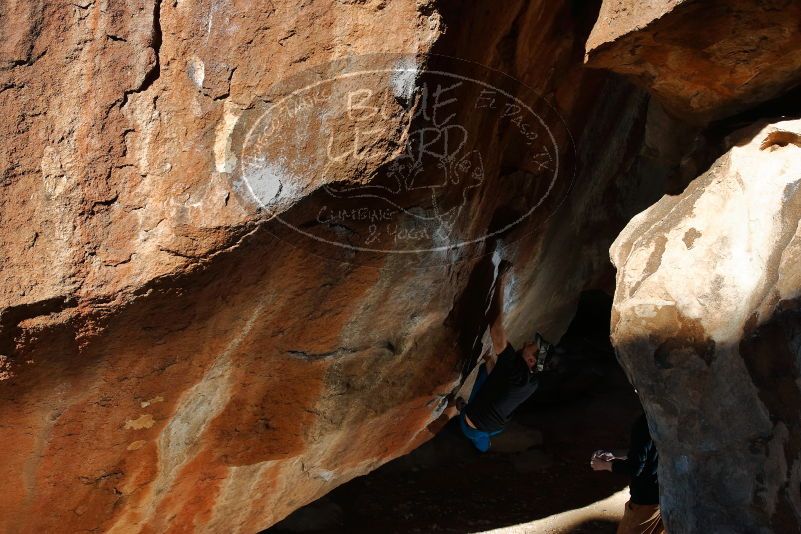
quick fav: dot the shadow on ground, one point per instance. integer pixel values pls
(595, 527)
(537, 468)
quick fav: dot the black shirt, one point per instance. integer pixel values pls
(508, 385)
(641, 464)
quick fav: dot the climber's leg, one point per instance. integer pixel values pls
(458, 404)
(480, 440)
(480, 379)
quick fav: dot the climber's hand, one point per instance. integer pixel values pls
(603, 455)
(598, 464)
(504, 267)
(601, 461)
(439, 423)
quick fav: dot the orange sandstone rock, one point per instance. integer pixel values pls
(175, 357)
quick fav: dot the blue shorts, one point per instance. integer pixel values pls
(479, 438)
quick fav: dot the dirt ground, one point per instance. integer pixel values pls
(536, 478)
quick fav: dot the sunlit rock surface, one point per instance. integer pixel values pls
(174, 358)
(704, 59)
(706, 321)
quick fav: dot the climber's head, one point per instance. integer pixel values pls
(529, 354)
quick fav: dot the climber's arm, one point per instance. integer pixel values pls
(495, 316)
(641, 444)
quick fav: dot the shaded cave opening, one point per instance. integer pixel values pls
(537, 468)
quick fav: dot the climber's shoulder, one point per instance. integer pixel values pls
(507, 356)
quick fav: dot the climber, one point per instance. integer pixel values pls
(641, 515)
(506, 378)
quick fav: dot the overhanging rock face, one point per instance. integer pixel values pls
(706, 320)
(118, 169)
(167, 362)
(704, 59)
(182, 345)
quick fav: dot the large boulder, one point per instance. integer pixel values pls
(190, 337)
(707, 323)
(704, 59)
